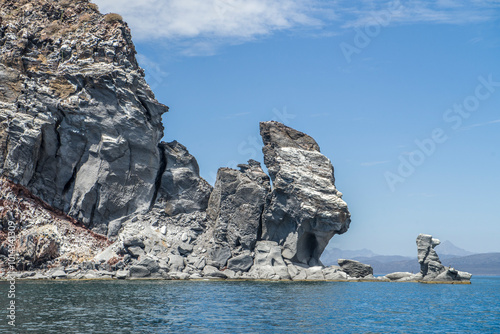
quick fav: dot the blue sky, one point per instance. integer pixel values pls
(402, 96)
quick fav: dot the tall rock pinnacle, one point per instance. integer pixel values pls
(305, 208)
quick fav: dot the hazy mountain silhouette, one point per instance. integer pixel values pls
(450, 255)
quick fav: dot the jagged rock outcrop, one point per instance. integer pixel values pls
(79, 126)
(181, 187)
(305, 208)
(431, 268)
(237, 203)
(80, 132)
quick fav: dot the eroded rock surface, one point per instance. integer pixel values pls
(431, 268)
(79, 126)
(41, 234)
(237, 203)
(305, 208)
(80, 133)
(181, 187)
(355, 268)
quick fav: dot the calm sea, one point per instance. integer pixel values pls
(253, 307)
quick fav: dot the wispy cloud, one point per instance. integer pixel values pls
(374, 163)
(212, 19)
(200, 26)
(418, 11)
(481, 124)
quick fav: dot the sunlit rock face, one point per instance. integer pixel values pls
(305, 209)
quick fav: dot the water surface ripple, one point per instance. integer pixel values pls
(253, 307)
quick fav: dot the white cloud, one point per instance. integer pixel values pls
(200, 26)
(240, 19)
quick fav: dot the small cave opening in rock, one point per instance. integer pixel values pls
(307, 248)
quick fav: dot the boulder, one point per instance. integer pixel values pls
(185, 248)
(211, 271)
(149, 263)
(354, 268)
(133, 241)
(122, 274)
(297, 272)
(176, 263)
(315, 273)
(137, 271)
(37, 248)
(220, 255)
(334, 273)
(136, 251)
(399, 276)
(59, 274)
(179, 276)
(240, 263)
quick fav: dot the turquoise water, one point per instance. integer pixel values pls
(253, 307)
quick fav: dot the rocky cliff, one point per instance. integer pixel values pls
(80, 133)
(89, 191)
(79, 126)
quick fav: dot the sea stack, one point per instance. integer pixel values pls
(431, 268)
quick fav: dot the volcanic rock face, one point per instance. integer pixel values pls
(237, 203)
(80, 134)
(79, 125)
(43, 233)
(305, 208)
(181, 187)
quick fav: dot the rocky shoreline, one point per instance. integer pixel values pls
(89, 191)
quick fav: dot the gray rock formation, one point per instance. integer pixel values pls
(79, 126)
(355, 268)
(400, 276)
(181, 187)
(305, 208)
(431, 268)
(237, 203)
(80, 135)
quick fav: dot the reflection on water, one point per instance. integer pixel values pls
(254, 307)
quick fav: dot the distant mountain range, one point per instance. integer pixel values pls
(450, 255)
